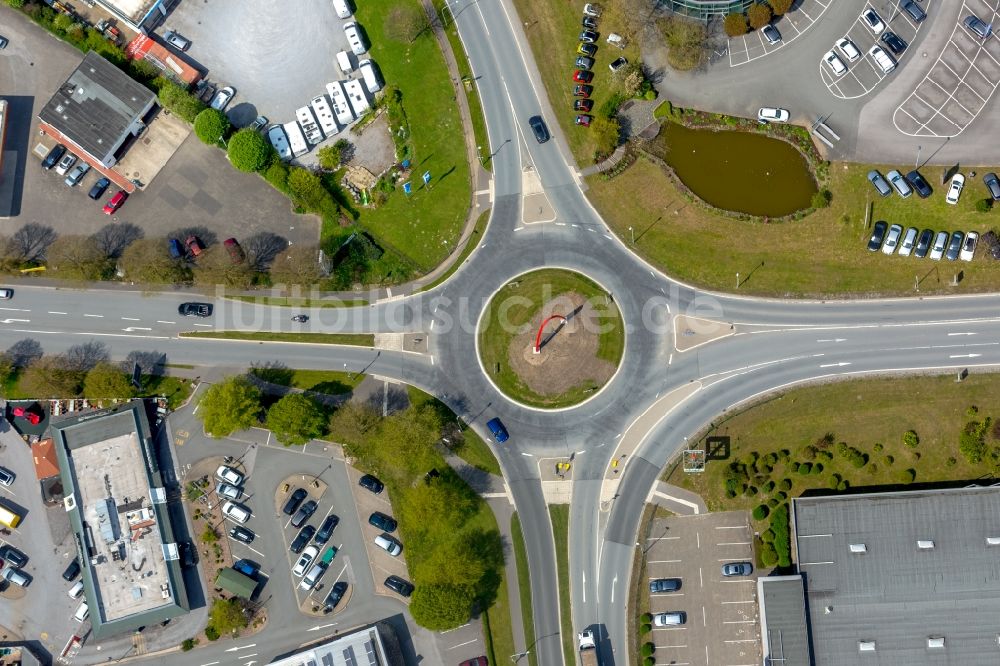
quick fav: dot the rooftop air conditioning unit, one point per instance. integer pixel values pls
(859, 548)
(866, 646)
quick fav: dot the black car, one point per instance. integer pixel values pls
(539, 128)
(399, 586)
(336, 594)
(195, 309)
(589, 22)
(369, 482)
(326, 529)
(892, 40)
(242, 534)
(294, 500)
(73, 570)
(664, 585)
(588, 36)
(878, 235)
(304, 513)
(97, 191)
(919, 183)
(188, 554)
(54, 156)
(382, 521)
(923, 243)
(954, 246)
(13, 557)
(302, 539)
(993, 185)
(915, 12)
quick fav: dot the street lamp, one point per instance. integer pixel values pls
(517, 657)
(917, 165)
(632, 231)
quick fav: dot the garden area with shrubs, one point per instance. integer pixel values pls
(755, 17)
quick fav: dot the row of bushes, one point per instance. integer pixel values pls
(756, 16)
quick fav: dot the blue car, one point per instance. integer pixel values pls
(247, 568)
(496, 427)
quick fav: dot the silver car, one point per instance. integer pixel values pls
(909, 240)
(940, 243)
(77, 174)
(228, 491)
(899, 183)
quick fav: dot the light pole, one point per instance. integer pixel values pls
(632, 231)
(917, 165)
(479, 152)
(517, 657)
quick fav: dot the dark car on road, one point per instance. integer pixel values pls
(242, 534)
(325, 530)
(954, 246)
(370, 483)
(97, 191)
(195, 309)
(892, 40)
(382, 521)
(923, 243)
(919, 184)
(302, 539)
(498, 429)
(52, 158)
(992, 185)
(664, 585)
(337, 593)
(304, 513)
(188, 554)
(878, 235)
(13, 557)
(73, 570)
(294, 500)
(399, 586)
(539, 128)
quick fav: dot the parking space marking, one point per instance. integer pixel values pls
(662, 562)
(662, 538)
(734, 543)
(799, 20)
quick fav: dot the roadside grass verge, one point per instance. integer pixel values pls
(559, 515)
(425, 225)
(353, 339)
(497, 625)
(523, 586)
(467, 445)
(282, 301)
(821, 255)
(472, 244)
(329, 382)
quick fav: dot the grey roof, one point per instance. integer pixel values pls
(897, 593)
(783, 625)
(360, 648)
(97, 105)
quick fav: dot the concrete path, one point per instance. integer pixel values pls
(680, 501)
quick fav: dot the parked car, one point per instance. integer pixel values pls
(582, 91)
(589, 22)
(247, 567)
(176, 40)
(834, 62)
(940, 243)
(326, 529)
(228, 491)
(954, 246)
(223, 472)
(309, 581)
(175, 248)
(75, 591)
(583, 105)
(67, 161)
(201, 310)
(592, 9)
(13, 556)
(115, 202)
(770, 114)
(771, 34)
(6, 294)
(52, 158)
(892, 239)
(924, 243)
(878, 235)
(498, 430)
(969, 246)
(3, 43)
(98, 188)
(399, 586)
(992, 185)
(899, 183)
(242, 534)
(669, 619)
(583, 76)
(236, 512)
(77, 174)
(977, 26)
(617, 63)
(301, 539)
(879, 182)
(909, 241)
(583, 120)
(955, 188)
(848, 49)
(583, 62)
(388, 544)
(892, 40)
(236, 253)
(294, 500)
(188, 553)
(304, 513)
(223, 98)
(337, 593)
(382, 521)
(72, 571)
(919, 183)
(874, 22)
(914, 10)
(82, 612)
(194, 245)
(372, 484)
(308, 555)
(258, 123)
(731, 569)
(589, 50)
(588, 36)
(882, 59)
(6, 477)
(664, 585)
(539, 129)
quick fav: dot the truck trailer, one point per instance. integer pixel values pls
(588, 649)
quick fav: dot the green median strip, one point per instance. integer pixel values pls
(354, 339)
(283, 301)
(524, 586)
(559, 514)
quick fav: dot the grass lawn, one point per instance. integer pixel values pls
(508, 315)
(552, 29)
(473, 450)
(176, 389)
(497, 625)
(870, 415)
(559, 514)
(282, 301)
(330, 382)
(474, 239)
(425, 225)
(823, 254)
(354, 339)
(524, 586)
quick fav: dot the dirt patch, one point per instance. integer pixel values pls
(568, 356)
(373, 148)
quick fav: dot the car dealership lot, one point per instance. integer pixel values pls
(721, 623)
(752, 45)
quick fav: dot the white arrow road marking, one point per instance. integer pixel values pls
(964, 355)
(136, 328)
(54, 312)
(613, 583)
(950, 334)
(834, 340)
(11, 321)
(834, 365)
(322, 626)
(242, 647)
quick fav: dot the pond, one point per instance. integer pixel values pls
(738, 171)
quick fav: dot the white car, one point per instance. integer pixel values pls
(969, 246)
(874, 22)
(955, 189)
(669, 619)
(835, 63)
(848, 49)
(68, 160)
(305, 559)
(223, 98)
(388, 544)
(767, 114)
(882, 59)
(228, 491)
(892, 239)
(229, 475)
(909, 240)
(6, 477)
(236, 512)
(940, 243)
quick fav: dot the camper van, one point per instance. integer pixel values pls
(356, 96)
(296, 141)
(340, 106)
(342, 8)
(354, 38)
(307, 121)
(371, 76)
(344, 62)
(321, 109)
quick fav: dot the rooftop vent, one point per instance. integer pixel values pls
(859, 548)
(935, 641)
(925, 544)
(866, 646)
(993, 541)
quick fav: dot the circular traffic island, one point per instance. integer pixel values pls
(551, 338)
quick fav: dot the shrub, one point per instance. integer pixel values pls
(276, 174)
(650, 94)
(907, 475)
(685, 40)
(843, 450)
(768, 487)
(817, 468)
(211, 125)
(648, 649)
(646, 618)
(780, 6)
(984, 205)
(735, 24)
(767, 536)
(649, 661)
(843, 485)
(971, 445)
(859, 460)
(872, 468)
(782, 496)
(795, 466)
(822, 198)
(951, 462)
(645, 628)
(786, 484)
(972, 411)
(804, 468)
(809, 453)
(759, 15)
(773, 502)
(750, 491)
(188, 644)
(331, 157)
(211, 633)
(910, 438)
(878, 447)
(178, 100)
(730, 494)
(888, 460)
(761, 512)
(250, 152)
(768, 556)
(833, 481)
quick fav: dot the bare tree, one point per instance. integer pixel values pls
(24, 352)
(151, 362)
(78, 258)
(207, 236)
(30, 242)
(81, 358)
(262, 247)
(114, 238)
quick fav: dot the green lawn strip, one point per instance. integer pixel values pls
(524, 586)
(474, 239)
(282, 301)
(638, 596)
(354, 339)
(497, 625)
(823, 254)
(559, 515)
(506, 318)
(473, 449)
(330, 382)
(425, 225)
(869, 415)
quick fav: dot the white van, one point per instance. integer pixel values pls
(344, 62)
(354, 38)
(388, 544)
(372, 80)
(882, 59)
(76, 590)
(342, 8)
(83, 612)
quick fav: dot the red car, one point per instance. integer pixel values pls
(583, 76)
(583, 105)
(583, 120)
(478, 661)
(582, 91)
(115, 202)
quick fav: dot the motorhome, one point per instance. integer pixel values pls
(296, 140)
(370, 75)
(340, 106)
(321, 109)
(307, 121)
(356, 96)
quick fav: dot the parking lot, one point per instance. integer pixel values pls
(864, 75)
(959, 85)
(721, 625)
(382, 563)
(751, 46)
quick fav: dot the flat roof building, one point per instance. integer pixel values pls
(361, 648)
(783, 627)
(140, 15)
(116, 502)
(901, 578)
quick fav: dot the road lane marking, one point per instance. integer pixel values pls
(834, 365)
(15, 321)
(463, 644)
(53, 312)
(950, 334)
(93, 315)
(964, 355)
(131, 319)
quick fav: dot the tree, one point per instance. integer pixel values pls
(441, 607)
(350, 423)
(215, 267)
(211, 125)
(632, 81)
(209, 535)
(686, 41)
(51, 377)
(759, 15)
(306, 188)
(30, 243)
(780, 7)
(228, 616)
(605, 132)
(79, 258)
(7, 368)
(451, 562)
(735, 24)
(106, 380)
(147, 260)
(112, 239)
(405, 22)
(249, 151)
(330, 157)
(177, 99)
(229, 406)
(297, 264)
(295, 419)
